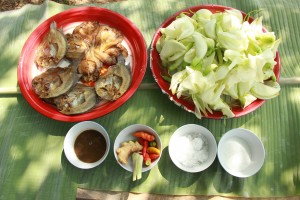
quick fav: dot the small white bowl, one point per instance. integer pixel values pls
(126, 135)
(241, 153)
(192, 148)
(71, 136)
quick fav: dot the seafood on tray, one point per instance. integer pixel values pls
(52, 49)
(90, 67)
(81, 39)
(94, 45)
(93, 68)
(109, 45)
(54, 82)
(114, 82)
(80, 99)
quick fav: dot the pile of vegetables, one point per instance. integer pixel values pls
(215, 58)
(143, 152)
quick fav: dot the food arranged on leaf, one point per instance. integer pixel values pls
(216, 59)
(143, 151)
(81, 68)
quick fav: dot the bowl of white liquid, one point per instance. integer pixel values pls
(241, 153)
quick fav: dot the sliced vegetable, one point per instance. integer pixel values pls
(200, 45)
(179, 29)
(137, 161)
(172, 50)
(144, 135)
(264, 91)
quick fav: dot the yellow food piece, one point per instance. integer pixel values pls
(126, 149)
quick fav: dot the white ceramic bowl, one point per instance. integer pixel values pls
(126, 135)
(192, 148)
(241, 153)
(71, 136)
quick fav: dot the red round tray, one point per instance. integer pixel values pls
(133, 38)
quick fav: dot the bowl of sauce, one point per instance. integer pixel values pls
(86, 145)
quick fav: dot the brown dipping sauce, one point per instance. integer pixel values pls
(90, 146)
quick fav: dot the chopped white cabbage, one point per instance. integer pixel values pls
(215, 56)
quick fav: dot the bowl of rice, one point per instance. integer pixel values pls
(192, 148)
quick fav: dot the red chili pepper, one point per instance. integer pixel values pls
(147, 159)
(145, 147)
(141, 141)
(144, 135)
(153, 156)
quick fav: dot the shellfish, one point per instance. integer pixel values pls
(78, 100)
(113, 83)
